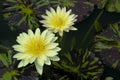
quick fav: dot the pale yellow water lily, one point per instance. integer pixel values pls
(37, 47)
(59, 21)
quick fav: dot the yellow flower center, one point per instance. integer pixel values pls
(58, 22)
(35, 46)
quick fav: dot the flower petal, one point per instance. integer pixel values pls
(53, 11)
(39, 68)
(55, 58)
(30, 33)
(18, 48)
(20, 56)
(31, 60)
(22, 38)
(61, 33)
(23, 63)
(51, 53)
(52, 45)
(37, 32)
(73, 28)
(43, 34)
(41, 59)
(58, 10)
(48, 62)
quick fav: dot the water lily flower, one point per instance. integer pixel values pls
(39, 47)
(59, 20)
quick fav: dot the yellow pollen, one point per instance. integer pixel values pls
(35, 46)
(58, 22)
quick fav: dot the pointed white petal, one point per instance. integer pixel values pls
(31, 60)
(58, 10)
(23, 35)
(48, 13)
(55, 58)
(45, 17)
(44, 33)
(18, 48)
(67, 30)
(22, 38)
(41, 59)
(37, 32)
(56, 49)
(53, 11)
(54, 39)
(48, 62)
(73, 28)
(64, 10)
(51, 53)
(30, 33)
(20, 56)
(68, 13)
(61, 33)
(23, 63)
(39, 68)
(52, 45)
(49, 37)
(20, 64)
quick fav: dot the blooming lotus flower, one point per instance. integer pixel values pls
(59, 20)
(37, 47)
